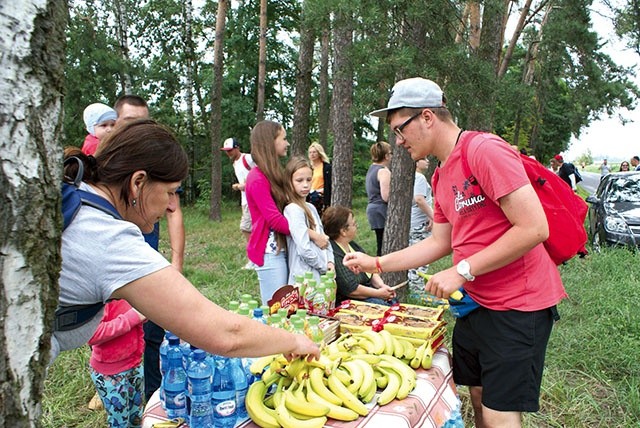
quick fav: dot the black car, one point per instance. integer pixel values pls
(614, 211)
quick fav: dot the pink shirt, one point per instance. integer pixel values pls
(118, 343)
(531, 282)
(265, 215)
(90, 144)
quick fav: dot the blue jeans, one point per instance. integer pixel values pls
(272, 275)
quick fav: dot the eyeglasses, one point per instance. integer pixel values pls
(355, 224)
(398, 129)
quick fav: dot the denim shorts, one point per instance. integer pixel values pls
(503, 351)
(272, 275)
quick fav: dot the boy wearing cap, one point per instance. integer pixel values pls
(495, 231)
(242, 164)
(99, 119)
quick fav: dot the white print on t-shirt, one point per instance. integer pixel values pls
(461, 202)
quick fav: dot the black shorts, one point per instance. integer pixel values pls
(503, 351)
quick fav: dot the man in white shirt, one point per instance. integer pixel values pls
(421, 222)
(242, 164)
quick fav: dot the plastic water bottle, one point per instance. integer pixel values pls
(241, 385)
(185, 348)
(164, 360)
(223, 395)
(174, 382)
(200, 374)
(258, 315)
(314, 332)
(234, 305)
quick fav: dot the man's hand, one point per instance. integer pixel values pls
(359, 262)
(445, 282)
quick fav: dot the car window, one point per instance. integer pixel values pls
(623, 189)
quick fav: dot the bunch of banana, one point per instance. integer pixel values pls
(373, 343)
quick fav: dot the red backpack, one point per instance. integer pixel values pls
(565, 210)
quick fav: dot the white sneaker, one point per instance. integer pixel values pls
(250, 266)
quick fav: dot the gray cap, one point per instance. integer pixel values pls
(413, 93)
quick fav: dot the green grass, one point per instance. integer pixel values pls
(592, 366)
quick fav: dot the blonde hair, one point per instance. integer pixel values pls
(379, 150)
(320, 151)
(296, 163)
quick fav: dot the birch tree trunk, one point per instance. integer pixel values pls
(342, 120)
(262, 61)
(216, 114)
(32, 42)
(122, 29)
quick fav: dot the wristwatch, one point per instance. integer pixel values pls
(464, 269)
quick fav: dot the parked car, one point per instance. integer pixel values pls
(614, 211)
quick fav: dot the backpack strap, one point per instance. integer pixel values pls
(245, 163)
(71, 317)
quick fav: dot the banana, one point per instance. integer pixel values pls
(368, 378)
(343, 376)
(409, 350)
(365, 344)
(254, 402)
(259, 364)
(303, 407)
(371, 359)
(287, 420)
(377, 340)
(407, 375)
(381, 381)
(348, 399)
(357, 376)
(416, 361)
(294, 367)
(427, 357)
(316, 383)
(398, 348)
(393, 385)
(335, 411)
(388, 341)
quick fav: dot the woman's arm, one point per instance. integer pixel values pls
(168, 299)
(384, 177)
(363, 292)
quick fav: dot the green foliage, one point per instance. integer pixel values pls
(585, 158)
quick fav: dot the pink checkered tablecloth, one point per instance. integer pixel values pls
(428, 406)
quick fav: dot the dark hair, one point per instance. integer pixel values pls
(379, 150)
(136, 145)
(334, 219)
(295, 163)
(636, 158)
(133, 100)
(441, 113)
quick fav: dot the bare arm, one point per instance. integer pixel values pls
(424, 206)
(167, 298)
(384, 177)
(424, 252)
(175, 227)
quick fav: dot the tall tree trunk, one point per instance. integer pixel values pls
(122, 30)
(189, 60)
(342, 120)
(262, 61)
(32, 39)
(323, 92)
(216, 114)
(302, 102)
(522, 20)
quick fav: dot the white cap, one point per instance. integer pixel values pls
(97, 113)
(230, 144)
(413, 93)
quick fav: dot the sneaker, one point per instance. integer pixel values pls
(250, 266)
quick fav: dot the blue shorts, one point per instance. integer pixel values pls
(503, 351)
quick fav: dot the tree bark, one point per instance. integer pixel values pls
(323, 92)
(216, 114)
(262, 61)
(32, 39)
(122, 29)
(342, 120)
(189, 71)
(302, 101)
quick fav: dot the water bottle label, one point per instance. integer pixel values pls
(175, 401)
(226, 408)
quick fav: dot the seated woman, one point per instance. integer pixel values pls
(341, 227)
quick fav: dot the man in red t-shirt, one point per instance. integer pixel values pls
(495, 230)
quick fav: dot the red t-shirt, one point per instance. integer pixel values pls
(529, 283)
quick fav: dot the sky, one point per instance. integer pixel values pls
(608, 137)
